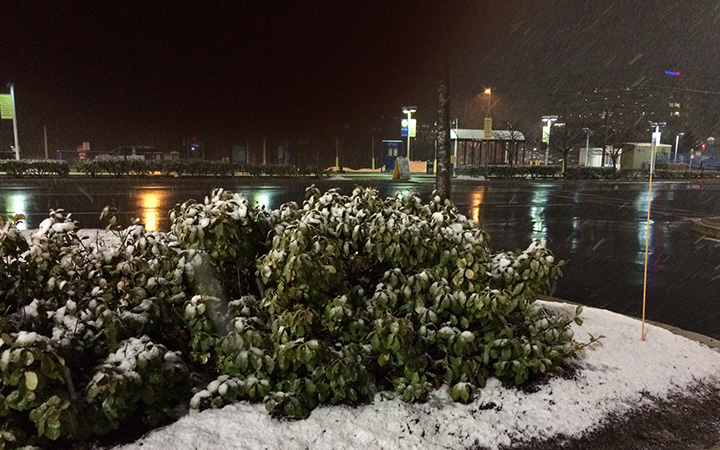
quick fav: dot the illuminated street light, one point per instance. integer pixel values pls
(409, 110)
(546, 135)
(488, 91)
(655, 141)
(677, 142)
(587, 144)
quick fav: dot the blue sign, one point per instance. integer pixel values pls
(404, 127)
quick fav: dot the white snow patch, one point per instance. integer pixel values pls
(610, 381)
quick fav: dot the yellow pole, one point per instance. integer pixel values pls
(647, 237)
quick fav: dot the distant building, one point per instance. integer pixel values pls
(636, 155)
(682, 103)
(194, 148)
(138, 152)
(83, 152)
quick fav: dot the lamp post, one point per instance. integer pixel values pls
(587, 144)
(655, 140)
(677, 142)
(337, 154)
(409, 110)
(488, 91)
(546, 136)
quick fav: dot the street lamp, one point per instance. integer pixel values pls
(655, 140)
(488, 91)
(546, 135)
(409, 110)
(587, 144)
(677, 141)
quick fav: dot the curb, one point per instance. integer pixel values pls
(708, 227)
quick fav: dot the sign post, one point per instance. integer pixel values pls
(408, 127)
(14, 118)
(7, 111)
(546, 135)
(488, 129)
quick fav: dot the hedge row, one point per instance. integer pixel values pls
(35, 168)
(138, 167)
(580, 173)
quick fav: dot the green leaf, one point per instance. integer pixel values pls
(456, 392)
(383, 359)
(31, 380)
(53, 430)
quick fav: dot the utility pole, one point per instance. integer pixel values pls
(606, 138)
(264, 150)
(45, 134)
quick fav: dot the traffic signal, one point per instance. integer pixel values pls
(703, 147)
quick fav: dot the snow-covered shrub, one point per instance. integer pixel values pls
(329, 302)
(363, 294)
(232, 234)
(226, 390)
(140, 378)
(33, 394)
(84, 298)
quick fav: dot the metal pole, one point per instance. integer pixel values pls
(547, 147)
(15, 130)
(45, 133)
(264, 150)
(457, 124)
(587, 146)
(677, 141)
(489, 97)
(409, 118)
(337, 154)
(652, 151)
(373, 153)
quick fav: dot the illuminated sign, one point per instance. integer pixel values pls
(670, 72)
(6, 106)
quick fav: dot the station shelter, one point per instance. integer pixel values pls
(471, 148)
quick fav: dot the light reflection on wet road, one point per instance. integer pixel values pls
(599, 229)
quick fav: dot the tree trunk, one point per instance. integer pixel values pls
(442, 178)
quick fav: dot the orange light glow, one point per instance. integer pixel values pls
(488, 91)
(477, 199)
(150, 209)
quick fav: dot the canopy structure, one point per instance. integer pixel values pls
(471, 147)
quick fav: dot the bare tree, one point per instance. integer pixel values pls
(620, 135)
(563, 139)
(442, 178)
(513, 149)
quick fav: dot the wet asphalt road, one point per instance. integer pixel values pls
(598, 228)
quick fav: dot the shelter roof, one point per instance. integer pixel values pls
(466, 134)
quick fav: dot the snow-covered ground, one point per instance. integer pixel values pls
(614, 377)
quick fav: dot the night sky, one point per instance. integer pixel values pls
(125, 73)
